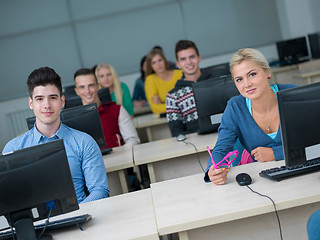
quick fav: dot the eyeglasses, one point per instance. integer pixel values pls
(226, 159)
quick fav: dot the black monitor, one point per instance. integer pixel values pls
(104, 95)
(33, 181)
(292, 51)
(314, 43)
(83, 118)
(219, 70)
(300, 123)
(211, 97)
(72, 101)
(69, 91)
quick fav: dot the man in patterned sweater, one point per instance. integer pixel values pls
(181, 108)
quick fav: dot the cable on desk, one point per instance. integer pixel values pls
(196, 153)
(275, 209)
(45, 225)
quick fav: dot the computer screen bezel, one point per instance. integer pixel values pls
(33, 179)
(314, 44)
(207, 109)
(299, 130)
(289, 45)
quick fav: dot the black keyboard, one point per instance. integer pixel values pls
(282, 172)
(106, 151)
(77, 220)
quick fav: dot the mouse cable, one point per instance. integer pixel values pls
(45, 225)
(196, 153)
(274, 205)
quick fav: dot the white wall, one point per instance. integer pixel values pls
(295, 17)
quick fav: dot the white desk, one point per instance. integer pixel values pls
(168, 158)
(141, 110)
(127, 216)
(308, 75)
(116, 162)
(198, 210)
(283, 74)
(156, 128)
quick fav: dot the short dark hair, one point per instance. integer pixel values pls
(42, 77)
(84, 71)
(185, 44)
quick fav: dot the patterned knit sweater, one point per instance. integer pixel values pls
(181, 108)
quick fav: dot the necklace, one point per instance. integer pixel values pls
(268, 126)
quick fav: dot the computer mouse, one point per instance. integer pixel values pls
(243, 179)
(181, 137)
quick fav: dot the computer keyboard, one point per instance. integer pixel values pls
(106, 151)
(77, 220)
(282, 172)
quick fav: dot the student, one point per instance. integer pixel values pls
(160, 80)
(108, 78)
(181, 108)
(84, 156)
(139, 97)
(171, 64)
(252, 116)
(116, 123)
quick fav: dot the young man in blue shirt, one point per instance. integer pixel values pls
(84, 156)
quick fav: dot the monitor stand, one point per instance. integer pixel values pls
(22, 221)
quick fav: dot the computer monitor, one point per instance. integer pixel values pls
(69, 91)
(300, 123)
(219, 70)
(211, 97)
(314, 43)
(33, 181)
(72, 101)
(83, 118)
(104, 95)
(292, 51)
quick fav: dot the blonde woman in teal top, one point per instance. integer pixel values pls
(119, 91)
(252, 117)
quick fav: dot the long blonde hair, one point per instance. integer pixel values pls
(116, 82)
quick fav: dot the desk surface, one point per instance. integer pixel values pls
(279, 69)
(170, 148)
(186, 203)
(307, 73)
(141, 110)
(148, 120)
(127, 216)
(120, 158)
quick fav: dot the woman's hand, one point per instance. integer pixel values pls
(217, 176)
(263, 154)
(156, 99)
(139, 103)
